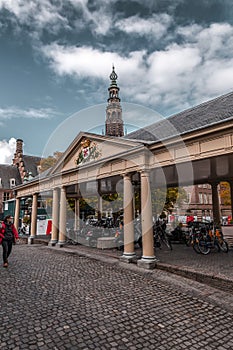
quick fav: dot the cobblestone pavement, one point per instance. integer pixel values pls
(65, 301)
(215, 269)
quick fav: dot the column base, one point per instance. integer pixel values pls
(52, 243)
(128, 258)
(147, 263)
(31, 239)
(60, 244)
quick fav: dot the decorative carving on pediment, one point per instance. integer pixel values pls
(89, 151)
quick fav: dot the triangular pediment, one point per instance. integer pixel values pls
(88, 148)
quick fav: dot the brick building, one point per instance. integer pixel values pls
(23, 167)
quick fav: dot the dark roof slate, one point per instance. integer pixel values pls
(8, 172)
(208, 113)
(42, 175)
(31, 163)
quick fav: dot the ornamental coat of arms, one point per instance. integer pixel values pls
(89, 151)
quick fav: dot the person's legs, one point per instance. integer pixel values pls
(5, 251)
(10, 243)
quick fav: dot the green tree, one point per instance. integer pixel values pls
(225, 193)
(50, 161)
(164, 199)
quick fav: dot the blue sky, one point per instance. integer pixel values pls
(56, 58)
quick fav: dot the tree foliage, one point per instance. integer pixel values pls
(50, 161)
(225, 193)
(164, 199)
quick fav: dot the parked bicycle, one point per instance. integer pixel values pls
(180, 235)
(213, 240)
(161, 237)
(221, 241)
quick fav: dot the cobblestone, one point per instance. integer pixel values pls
(64, 301)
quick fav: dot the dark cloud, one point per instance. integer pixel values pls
(169, 54)
(204, 11)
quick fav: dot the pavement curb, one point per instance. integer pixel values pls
(216, 281)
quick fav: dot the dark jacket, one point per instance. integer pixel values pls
(3, 230)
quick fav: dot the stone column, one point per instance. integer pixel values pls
(148, 260)
(33, 218)
(17, 213)
(231, 191)
(62, 221)
(129, 253)
(215, 203)
(77, 215)
(100, 207)
(55, 217)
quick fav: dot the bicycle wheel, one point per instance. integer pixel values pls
(166, 241)
(194, 243)
(223, 245)
(203, 247)
(195, 247)
(187, 240)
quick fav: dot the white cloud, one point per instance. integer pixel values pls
(46, 14)
(197, 68)
(100, 19)
(176, 62)
(89, 62)
(37, 13)
(7, 149)
(30, 113)
(189, 32)
(155, 26)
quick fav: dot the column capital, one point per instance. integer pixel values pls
(144, 172)
(127, 174)
(214, 184)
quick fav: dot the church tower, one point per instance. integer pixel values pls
(114, 125)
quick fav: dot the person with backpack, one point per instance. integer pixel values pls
(8, 236)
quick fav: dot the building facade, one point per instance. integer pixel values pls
(22, 169)
(185, 154)
(191, 148)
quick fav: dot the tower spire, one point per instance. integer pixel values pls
(114, 125)
(113, 76)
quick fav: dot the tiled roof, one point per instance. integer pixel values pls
(31, 163)
(208, 113)
(8, 172)
(42, 175)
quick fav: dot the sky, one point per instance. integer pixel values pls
(56, 57)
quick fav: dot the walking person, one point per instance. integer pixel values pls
(8, 236)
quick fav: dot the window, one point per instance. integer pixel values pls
(42, 204)
(12, 182)
(205, 198)
(200, 198)
(6, 196)
(210, 199)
